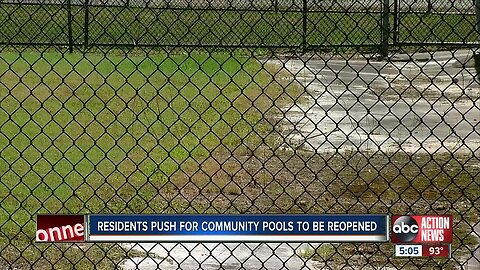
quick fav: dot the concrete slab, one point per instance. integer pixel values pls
(219, 256)
(416, 106)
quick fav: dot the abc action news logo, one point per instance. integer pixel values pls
(60, 228)
(422, 229)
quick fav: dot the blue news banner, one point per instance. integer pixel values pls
(237, 228)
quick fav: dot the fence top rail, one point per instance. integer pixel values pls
(458, 6)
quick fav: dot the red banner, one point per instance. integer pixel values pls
(60, 228)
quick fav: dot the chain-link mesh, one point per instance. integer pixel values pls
(281, 106)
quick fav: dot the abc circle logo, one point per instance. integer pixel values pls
(405, 229)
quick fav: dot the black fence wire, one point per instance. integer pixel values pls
(242, 106)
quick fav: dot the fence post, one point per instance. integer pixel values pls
(385, 25)
(477, 12)
(395, 21)
(69, 22)
(476, 55)
(304, 26)
(85, 25)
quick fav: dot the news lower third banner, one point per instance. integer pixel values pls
(217, 228)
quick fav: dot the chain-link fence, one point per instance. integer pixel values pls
(237, 107)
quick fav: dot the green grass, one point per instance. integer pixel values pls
(437, 28)
(118, 25)
(100, 133)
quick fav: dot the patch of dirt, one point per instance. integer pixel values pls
(282, 181)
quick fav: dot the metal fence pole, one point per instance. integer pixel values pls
(477, 12)
(385, 27)
(476, 55)
(86, 23)
(304, 28)
(70, 18)
(395, 21)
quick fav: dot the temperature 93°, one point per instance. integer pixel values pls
(437, 251)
